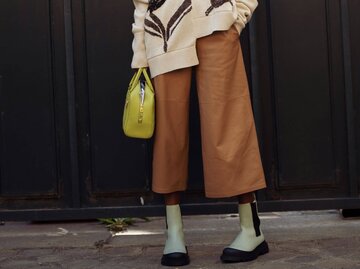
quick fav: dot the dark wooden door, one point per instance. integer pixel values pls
(34, 141)
(305, 97)
(64, 69)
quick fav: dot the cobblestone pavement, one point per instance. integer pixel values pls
(297, 240)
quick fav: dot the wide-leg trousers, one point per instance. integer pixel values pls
(230, 151)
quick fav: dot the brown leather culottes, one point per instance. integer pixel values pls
(231, 158)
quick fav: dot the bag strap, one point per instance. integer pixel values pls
(135, 78)
(147, 78)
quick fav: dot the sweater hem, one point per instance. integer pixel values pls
(173, 60)
(221, 21)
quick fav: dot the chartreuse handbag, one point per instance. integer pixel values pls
(139, 109)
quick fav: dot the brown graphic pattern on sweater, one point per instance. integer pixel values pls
(155, 4)
(155, 27)
(216, 4)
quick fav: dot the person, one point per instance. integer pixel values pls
(173, 38)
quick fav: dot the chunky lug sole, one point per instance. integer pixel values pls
(234, 255)
(175, 259)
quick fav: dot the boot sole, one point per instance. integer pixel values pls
(244, 256)
(175, 259)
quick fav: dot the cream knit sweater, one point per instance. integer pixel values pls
(165, 31)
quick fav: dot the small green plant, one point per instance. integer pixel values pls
(119, 224)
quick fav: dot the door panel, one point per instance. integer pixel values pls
(354, 31)
(303, 53)
(112, 166)
(29, 82)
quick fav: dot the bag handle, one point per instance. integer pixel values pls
(136, 77)
(147, 78)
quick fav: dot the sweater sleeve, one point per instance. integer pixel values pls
(138, 45)
(245, 10)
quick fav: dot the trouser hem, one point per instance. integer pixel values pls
(166, 191)
(234, 193)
